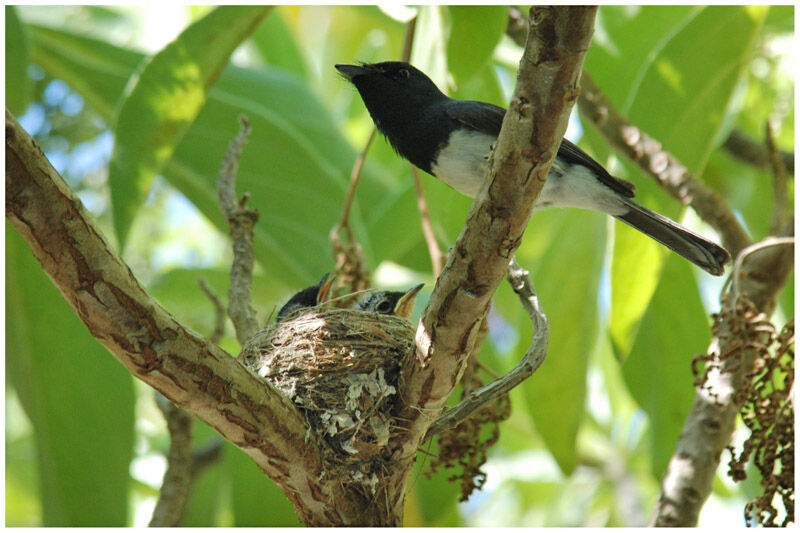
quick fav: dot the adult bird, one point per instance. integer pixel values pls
(452, 140)
(397, 303)
(308, 297)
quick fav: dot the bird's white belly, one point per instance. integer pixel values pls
(462, 165)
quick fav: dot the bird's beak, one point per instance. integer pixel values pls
(325, 285)
(349, 71)
(405, 305)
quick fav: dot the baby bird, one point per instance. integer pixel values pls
(308, 297)
(396, 303)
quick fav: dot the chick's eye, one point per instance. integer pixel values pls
(384, 307)
(404, 73)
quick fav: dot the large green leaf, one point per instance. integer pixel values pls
(277, 46)
(672, 71)
(658, 371)
(474, 34)
(98, 71)
(18, 84)
(566, 275)
(294, 165)
(257, 500)
(77, 397)
(166, 97)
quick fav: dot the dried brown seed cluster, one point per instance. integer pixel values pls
(767, 404)
(465, 447)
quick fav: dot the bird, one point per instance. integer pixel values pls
(452, 140)
(397, 303)
(308, 297)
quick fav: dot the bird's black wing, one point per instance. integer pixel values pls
(488, 118)
(477, 116)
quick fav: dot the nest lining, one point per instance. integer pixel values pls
(341, 367)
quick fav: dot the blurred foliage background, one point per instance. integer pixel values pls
(590, 434)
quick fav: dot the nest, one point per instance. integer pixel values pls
(341, 367)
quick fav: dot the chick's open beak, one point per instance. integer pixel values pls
(405, 305)
(324, 290)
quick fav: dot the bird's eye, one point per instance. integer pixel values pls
(404, 73)
(384, 307)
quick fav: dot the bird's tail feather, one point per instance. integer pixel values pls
(700, 251)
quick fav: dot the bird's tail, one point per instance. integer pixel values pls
(700, 251)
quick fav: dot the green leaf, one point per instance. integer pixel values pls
(207, 495)
(18, 84)
(95, 69)
(430, 42)
(257, 500)
(166, 97)
(672, 71)
(658, 371)
(78, 398)
(277, 45)
(474, 34)
(566, 275)
(293, 165)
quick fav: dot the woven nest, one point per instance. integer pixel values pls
(341, 367)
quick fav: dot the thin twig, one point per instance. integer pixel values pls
(737, 266)
(178, 477)
(241, 221)
(780, 186)
(437, 257)
(219, 310)
(530, 362)
(746, 149)
(355, 176)
(351, 270)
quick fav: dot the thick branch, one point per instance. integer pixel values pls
(192, 372)
(709, 426)
(547, 87)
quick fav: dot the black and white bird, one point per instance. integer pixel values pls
(308, 297)
(397, 303)
(452, 140)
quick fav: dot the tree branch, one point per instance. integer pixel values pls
(530, 362)
(241, 221)
(178, 477)
(759, 277)
(746, 149)
(547, 87)
(192, 372)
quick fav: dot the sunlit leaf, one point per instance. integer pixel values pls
(653, 62)
(164, 101)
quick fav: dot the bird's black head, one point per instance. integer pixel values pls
(389, 80)
(398, 97)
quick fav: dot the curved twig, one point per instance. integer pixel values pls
(534, 357)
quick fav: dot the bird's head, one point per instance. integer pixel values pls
(396, 303)
(390, 83)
